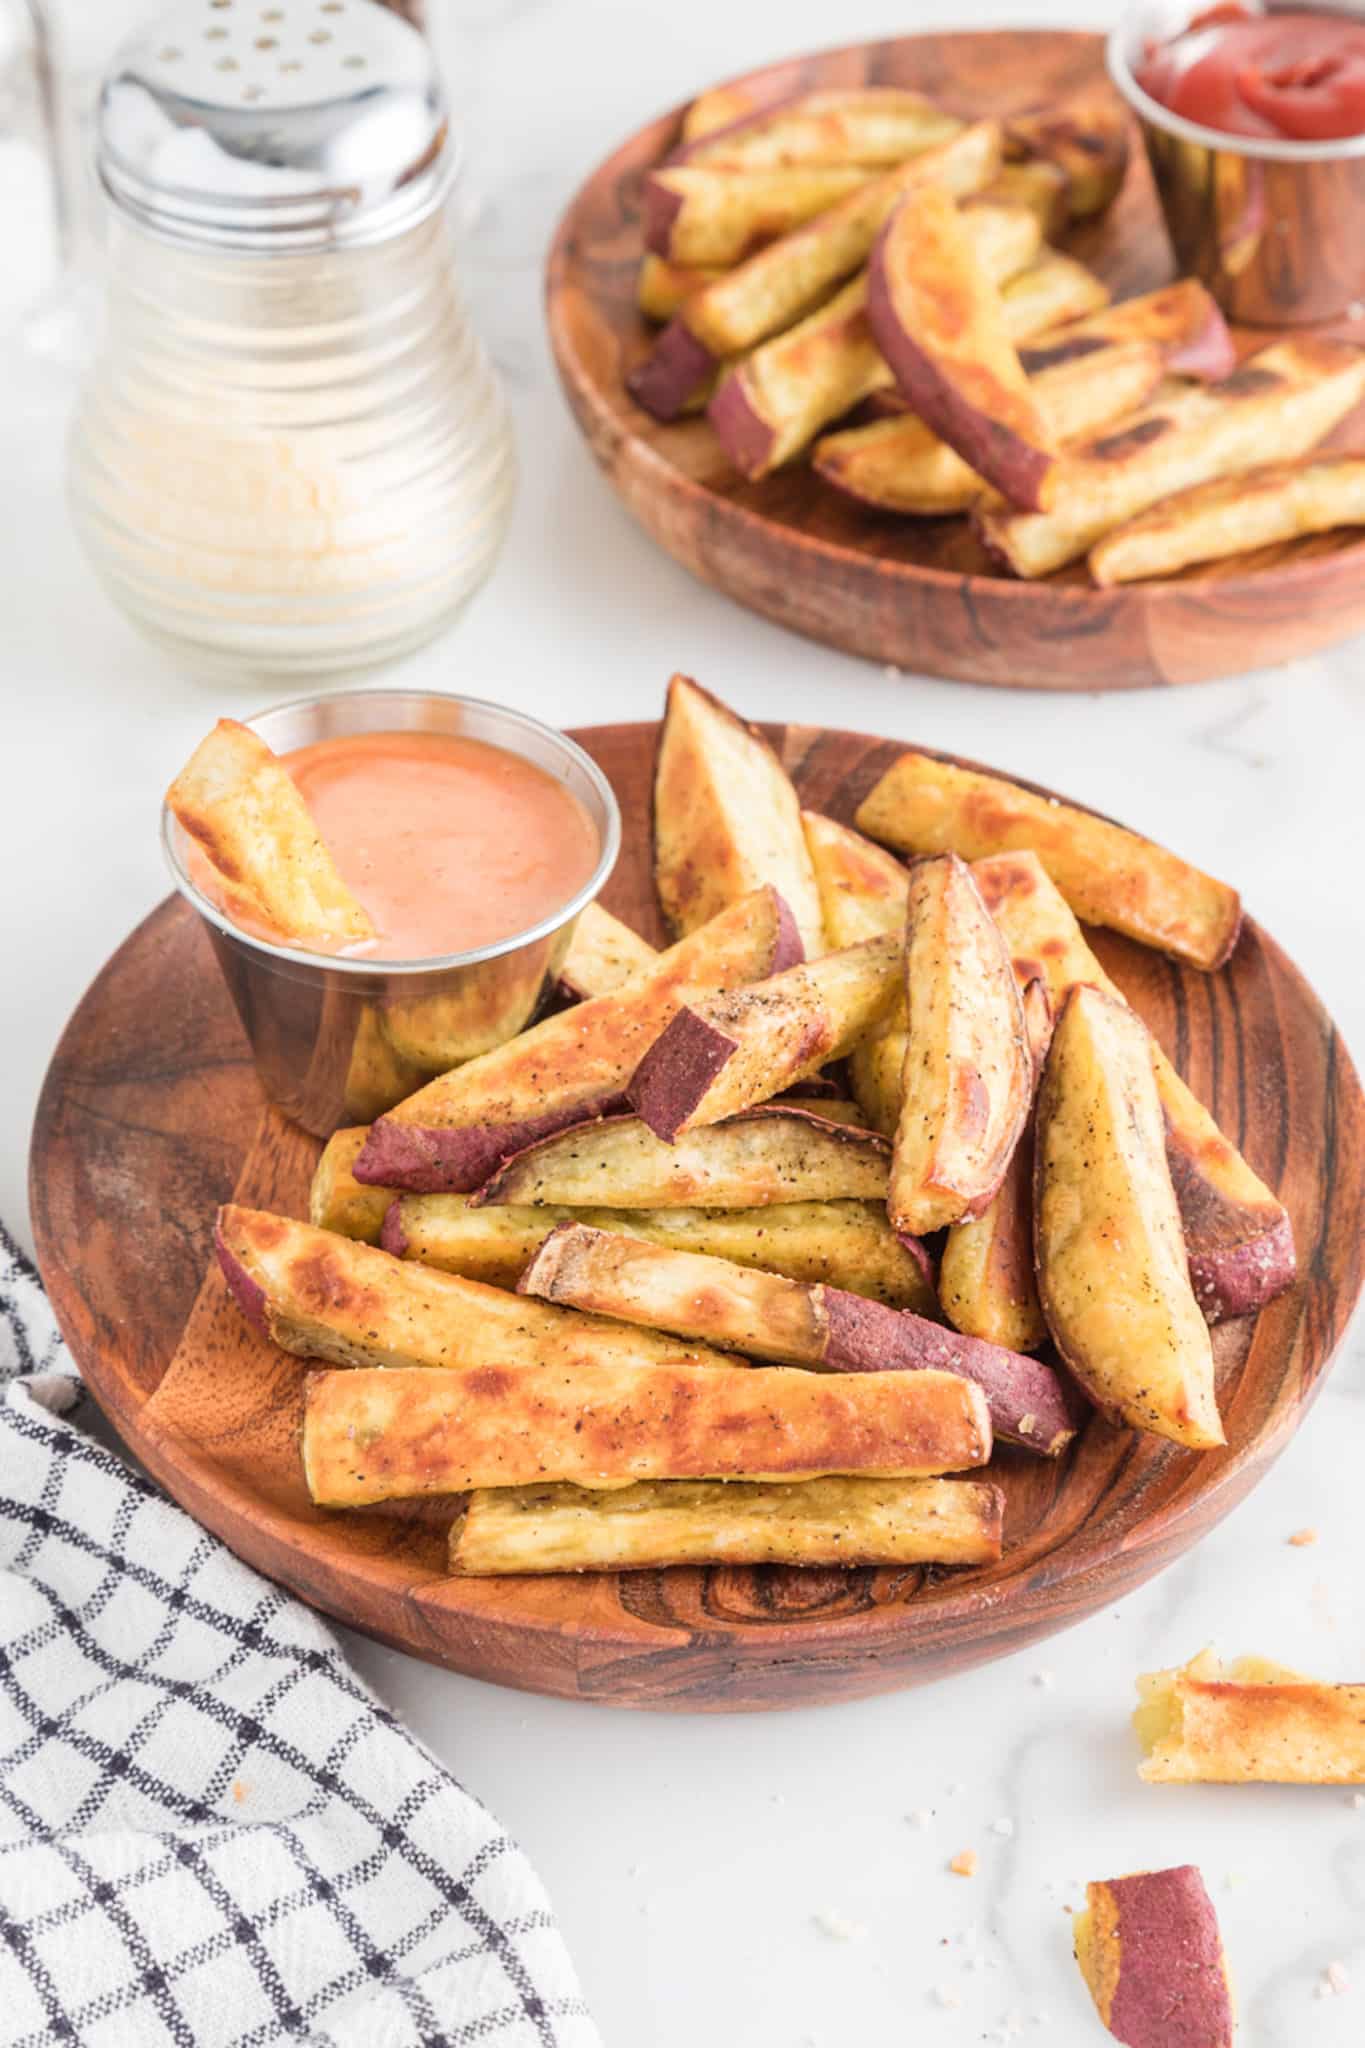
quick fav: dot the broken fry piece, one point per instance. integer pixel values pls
(1086, 139)
(1182, 319)
(697, 214)
(1227, 517)
(1249, 1722)
(1149, 1949)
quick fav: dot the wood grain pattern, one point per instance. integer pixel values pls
(922, 594)
(151, 1115)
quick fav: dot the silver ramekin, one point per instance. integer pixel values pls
(339, 1041)
(1275, 229)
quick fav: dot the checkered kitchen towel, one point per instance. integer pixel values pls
(210, 1833)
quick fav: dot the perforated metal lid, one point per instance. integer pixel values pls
(269, 124)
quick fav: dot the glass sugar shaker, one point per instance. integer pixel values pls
(291, 456)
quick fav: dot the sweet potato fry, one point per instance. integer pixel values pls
(1086, 139)
(661, 288)
(967, 1080)
(238, 804)
(694, 214)
(603, 955)
(371, 1436)
(938, 320)
(1112, 1270)
(724, 1055)
(337, 1200)
(857, 125)
(766, 1316)
(455, 1131)
(322, 1296)
(1265, 506)
(1150, 1952)
(862, 893)
(1107, 874)
(1287, 397)
(1238, 1236)
(1249, 1723)
(1041, 187)
(678, 1521)
(720, 107)
(1182, 320)
(726, 818)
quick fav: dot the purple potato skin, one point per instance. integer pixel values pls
(676, 366)
(393, 1237)
(1208, 354)
(740, 427)
(705, 145)
(660, 209)
(676, 1072)
(434, 1159)
(248, 1294)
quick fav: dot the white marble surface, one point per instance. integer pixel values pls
(692, 1859)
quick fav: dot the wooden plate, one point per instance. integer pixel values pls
(151, 1115)
(918, 593)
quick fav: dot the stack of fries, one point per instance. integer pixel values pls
(864, 252)
(754, 1251)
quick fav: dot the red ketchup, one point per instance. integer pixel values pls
(1296, 77)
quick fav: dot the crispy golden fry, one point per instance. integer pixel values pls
(901, 465)
(719, 108)
(321, 1296)
(986, 1278)
(937, 318)
(1107, 874)
(1259, 509)
(603, 955)
(454, 1132)
(862, 893)
(1052, 291)
(765, 1315)
(1112, 1270)
(337, 1200)
(1286, 398)
(1087, 140)
(1041, 187)
(1238, 1236)
(720, 1057)
(1249, 1723)
(371, 1436)
(1181, 319)
(859, 125)
(1149, 1949)
(238, 804)
(842, 1244)
(661, 287)
(967, 1080)
(726, 818)
(679, 1521)
(695, 214)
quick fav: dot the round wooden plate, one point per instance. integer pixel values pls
(920, 593)
(151, 1115)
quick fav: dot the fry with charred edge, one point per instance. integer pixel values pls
(1113, 1275)
(1238, 1237)
(726, 818)
(337, 1200)
(1182, 320)
(731, 1052)
(321, 1296)
(938, 320)
(901, 465)
(967, 1080)
(862, 893)
(1150, 1952)
(986, 1278)
(1260, 509)
(371, 1436)
(858, 125)
(1107, 874)
(238, 803)
(772, 402)
(603, 955)
(764, 1315)
(1249, 1723)
(454, 1132)
(695, 214)
(775, 1153)
(1288, 397)
(842, 1244)
(680, 1521)
(1088, 143)
(661, 288)
(792, 275)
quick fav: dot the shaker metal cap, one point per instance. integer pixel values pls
(268, 124)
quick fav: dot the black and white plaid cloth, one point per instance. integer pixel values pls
(210, 1832)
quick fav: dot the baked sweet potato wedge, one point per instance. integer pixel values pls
(1182, 320)
(657, 1523)
(767, 1316)
(1149, 1949)
(372, 1436)
(1248, 1723)
(237, 803)
(1086, 139)
(862, 894)
(986, 1278)
(454, 1132)
(661, 288)
(967, 1081)
(1238, 1237)
(603, 955)
(697, 214)
(719, 107)
(1262, 508)
(1285, 398)
(1108, 875)
(870, 125)
(337, 1200)
(731, 1052)
(840, 1244)
(938, 320)
(1113, 1275)
(1040, 186)
(726, 818)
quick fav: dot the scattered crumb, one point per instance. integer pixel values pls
(1335, 1979)
(891, 672)
(1234, 1880)
(238, 1790)
(921, 1816)
(1320, 1601)
(964, 1863)
(1028, 1423)
(954, 1789)
(635, 1871)
(839, 1927)
(1358, 1800)
(1004, 1826)
(947, 1995)
(1045, 1679)
(778, 1798)
(1301, 1538)
(973, 1963)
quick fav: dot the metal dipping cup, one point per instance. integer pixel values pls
(339, 1041)
(1275, 229)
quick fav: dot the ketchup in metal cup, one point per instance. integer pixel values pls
(1296, 77)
